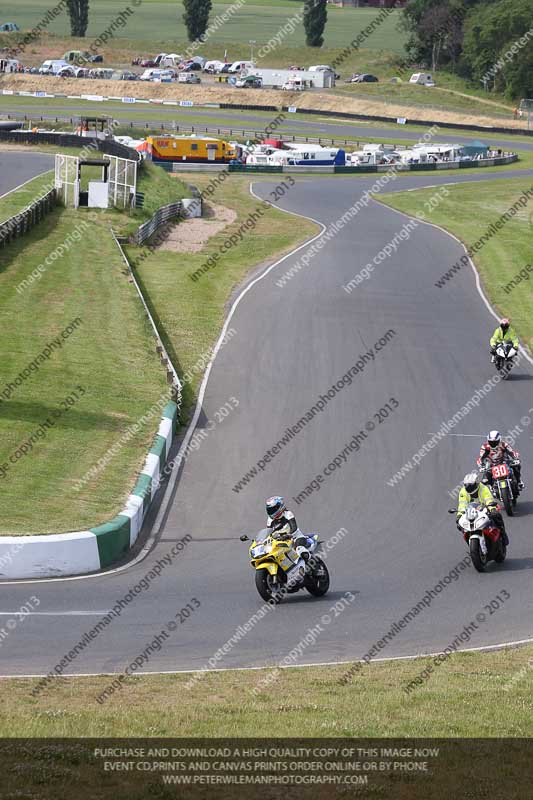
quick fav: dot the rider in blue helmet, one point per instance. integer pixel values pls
(283, 523)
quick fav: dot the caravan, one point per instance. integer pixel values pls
(422, 79)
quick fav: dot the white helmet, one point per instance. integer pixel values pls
(471, 482)
(494, 439)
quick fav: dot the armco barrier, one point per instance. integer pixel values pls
(24, 557)
(21, 223)
(108, 146)
(162, 215)
(254, 168)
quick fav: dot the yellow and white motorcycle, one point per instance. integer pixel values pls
(281, 570)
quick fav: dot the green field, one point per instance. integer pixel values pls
(467, 212)
(106, 366)
(465, 697)
(162, 22)
(111, 354)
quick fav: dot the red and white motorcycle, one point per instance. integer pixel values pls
(483, 538)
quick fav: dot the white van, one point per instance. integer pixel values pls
(52, 66)
(237, 66)
(213, 66)
(422, 79)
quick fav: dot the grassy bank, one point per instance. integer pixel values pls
(72, 406)
(467, 212)
(191, 312)
(463, 697)
(17, 200)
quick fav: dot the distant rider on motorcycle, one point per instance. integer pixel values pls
(283, 523)
(474, 491)
(503, 333)
(496, 451)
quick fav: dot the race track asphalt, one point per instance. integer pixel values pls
(290, 345)
(15, 169)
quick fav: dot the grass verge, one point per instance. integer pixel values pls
(106, 366)
(470, 695)
(467, 212)
(21, 198)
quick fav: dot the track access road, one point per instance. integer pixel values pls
(292, 343)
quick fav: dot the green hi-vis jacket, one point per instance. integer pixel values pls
(485, 496)
(499, 336)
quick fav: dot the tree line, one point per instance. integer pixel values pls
(488, 41)
(196, 19)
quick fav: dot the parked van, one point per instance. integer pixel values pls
(237, 66)
(10, 65)
(422, 79)
(52, 66)
(213, 66)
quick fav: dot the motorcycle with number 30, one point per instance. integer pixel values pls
(502, 482)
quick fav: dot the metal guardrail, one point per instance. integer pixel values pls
(109, 147)
(162, 215)
(25, 220)
(172, 375)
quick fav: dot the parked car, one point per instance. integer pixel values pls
(190, 66)
(366, 78)
(147, 62)
(293, 86)
(249, 82)
(101, 74)
(73, 72)
(188, 77)
(9, 27)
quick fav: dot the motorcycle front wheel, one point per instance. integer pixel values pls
(479, 559)
(500, 556)
(507, 501)
(317, 583)
(267, 586)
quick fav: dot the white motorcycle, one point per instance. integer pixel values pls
(504, 358)
(483, 537)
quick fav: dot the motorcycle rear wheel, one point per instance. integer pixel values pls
(318, 585)
(479, 560)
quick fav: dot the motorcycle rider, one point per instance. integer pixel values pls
(474, 491)
(503, 333)
(496, 451)
(279, 517)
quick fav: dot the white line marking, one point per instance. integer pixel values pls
(21, 185)
(149, 544)
(473, 435)
(201, 393)
(55, 613)
(487, 648)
